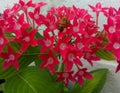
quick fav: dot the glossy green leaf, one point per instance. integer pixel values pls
(105, 55)
(32, 80)
(92, 86)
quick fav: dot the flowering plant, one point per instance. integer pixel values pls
(60, 41)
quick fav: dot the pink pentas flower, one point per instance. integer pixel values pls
(10, 12)
(40, 4)
(3, 40)
(91, 28)
(98, 8)
(63, 11)
(36, 16)
(24, 5)
(27, 38)
(111, 12)
(72, 57)
(81, 14)
(65, 77)
(81, 45)
(77, 28)
(49, 61)
(10, 58)
(15, 26)
(62, 46)
(110, 27)
(114, 44)
(112, 16)
(90, 57)
(47, 42)
(81, 75)
(50, 22)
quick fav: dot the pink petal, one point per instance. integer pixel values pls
(88, 75)
(16, 65)
(6, 65)
(80, 81)
(24, 47)
(34, 43)
(98, 5)
(31, 15)
(118, 67)
(51, 68)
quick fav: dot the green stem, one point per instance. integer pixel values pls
(97, 16)
(32, 54)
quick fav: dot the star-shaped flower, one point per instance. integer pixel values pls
(49, 61)
(72, 57)
(10, 58)
(36, 16)
(16, 25)
(81, 75)
(65, 77)
(98, 8)
(27, 38)
(62, 46)
(47, 42)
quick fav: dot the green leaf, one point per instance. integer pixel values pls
(65, 90)
(2, 87)
(32, 80)
(105, 54)
(92, 86)
(38, 35)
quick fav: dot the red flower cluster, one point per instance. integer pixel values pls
(113, 31)
(70, 34)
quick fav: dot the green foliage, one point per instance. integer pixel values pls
(105, 54)
(2, 87)
(92, 86)
(32, 80)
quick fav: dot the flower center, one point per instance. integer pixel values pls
(11, 57)
(98, 9)
(27, 39)
(48, 42)
(80, 45)
(63, 46)
(1, 41)
(36, 16)
(75, 29)
(17, 26)
(51, 26)
(65, 75)
(111, 29)
(88, 55)
(70, 56)
(116, 45)
(50, 60)
(81, 73)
